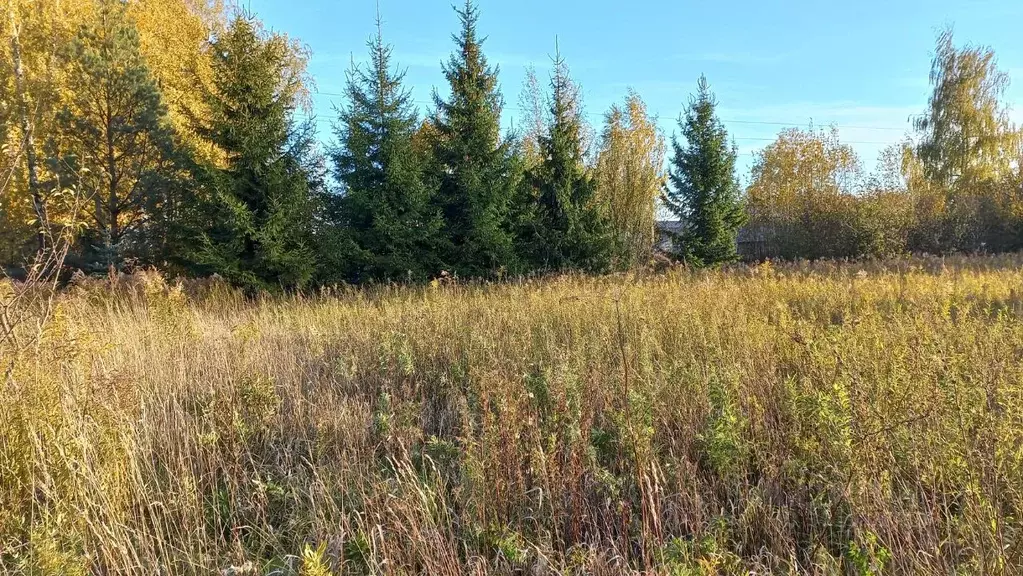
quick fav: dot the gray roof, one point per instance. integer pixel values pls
(670, 226)
(747, 233)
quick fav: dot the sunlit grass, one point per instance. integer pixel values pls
(823, 418)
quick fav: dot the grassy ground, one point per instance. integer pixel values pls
(826, 419)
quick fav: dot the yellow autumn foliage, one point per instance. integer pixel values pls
(173, 34)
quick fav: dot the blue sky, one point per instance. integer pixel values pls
(859, 64)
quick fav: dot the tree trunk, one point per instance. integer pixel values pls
(113, 205)
(29, 138)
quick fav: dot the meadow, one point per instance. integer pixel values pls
(816, 418)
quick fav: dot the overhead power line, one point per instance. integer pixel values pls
(789, 124)
(850, 127)
(327, 121)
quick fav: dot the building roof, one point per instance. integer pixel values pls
(747, 233)
(670, 226)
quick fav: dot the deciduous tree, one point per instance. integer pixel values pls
(801, 192)
(967, 149)
(174, 38)
(33, 90)
(630, 177)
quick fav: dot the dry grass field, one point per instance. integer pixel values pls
(814, 418)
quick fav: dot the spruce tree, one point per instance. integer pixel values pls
(474, 164)
(702, 191)
(119, 149)
(385, 206)
(255, 218)
(569, 231)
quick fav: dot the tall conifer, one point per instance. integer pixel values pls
(702, 191)
(475, 165)
(256, 219)
(385, 205)
(569, 232)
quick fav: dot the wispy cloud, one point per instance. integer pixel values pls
(826, 113)
(732, 57)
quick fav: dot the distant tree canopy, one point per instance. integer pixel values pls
(801, 193)
(174, 134)
(956, 189)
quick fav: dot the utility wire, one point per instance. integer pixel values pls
(330, 117)
(328, 121)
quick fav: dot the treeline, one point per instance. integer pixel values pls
(169, 134)
(954, 185)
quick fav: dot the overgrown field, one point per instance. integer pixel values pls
(823, 418)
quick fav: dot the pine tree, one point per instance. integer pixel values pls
(255, 215)
(474, 164)
(120, 145)
(385, 207)
(569, 231)
(38, 80)
(702, 190)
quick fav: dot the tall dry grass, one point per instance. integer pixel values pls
(821, 419)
